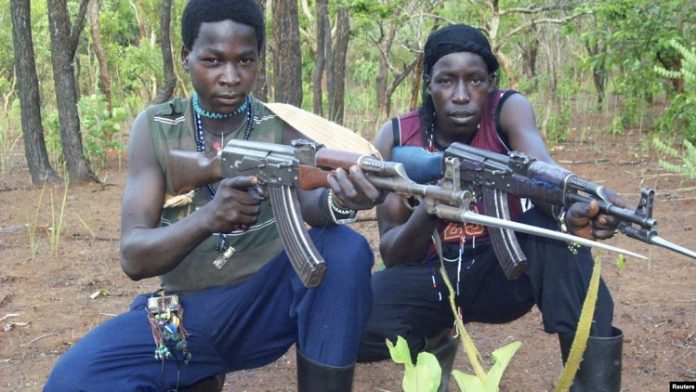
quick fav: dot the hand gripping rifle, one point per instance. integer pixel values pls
(492, 176)
(281, 168)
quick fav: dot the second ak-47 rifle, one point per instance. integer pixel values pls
(281, 169)
(491, 176)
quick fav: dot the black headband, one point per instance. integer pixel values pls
(457, 38)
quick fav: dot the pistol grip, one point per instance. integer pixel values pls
(505, 245)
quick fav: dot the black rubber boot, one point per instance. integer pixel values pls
(210, 384)
(600, 369)
(315, 377)
(445, 351)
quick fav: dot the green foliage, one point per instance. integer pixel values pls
(52, 136)
(635, 36)
(99, 128)
(687, 167)
(33, 225)
(680, 115)
(617, 126)
(502, 358)
(55, 229)
(558, 125)
(424, 376)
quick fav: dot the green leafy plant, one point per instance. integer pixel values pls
(424, 375)
(558, 125)
(100, 128)
(687, 167)
(33, 224)
(501, 357)
(681, 113)
(55, 230)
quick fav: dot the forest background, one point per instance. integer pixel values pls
(79, 71)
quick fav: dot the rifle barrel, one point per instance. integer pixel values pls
(659, 241)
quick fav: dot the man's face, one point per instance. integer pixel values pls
(223, 63)
(459, 86)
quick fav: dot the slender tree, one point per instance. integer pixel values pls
(29, 98)
(337, 66)
(167, 89)
(63, 47)
(261, 86)
(287, 55)
(104, 77)
(323, 43)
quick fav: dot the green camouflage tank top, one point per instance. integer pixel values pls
(171, 127)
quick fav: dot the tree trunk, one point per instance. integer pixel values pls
(104, 77)
(321, 55)
(167, 89)
(417, 80)
(599, 70)
(261, 86)
(382, 82)
(672, 63)
(287, 56)
(66, 94)
(338, 66)
(29, 98)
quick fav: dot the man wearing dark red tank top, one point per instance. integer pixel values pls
(461, 103)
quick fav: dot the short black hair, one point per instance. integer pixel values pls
(198, 12)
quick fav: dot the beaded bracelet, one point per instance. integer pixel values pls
(338, 214)
(573, 247)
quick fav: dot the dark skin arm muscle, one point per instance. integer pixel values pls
(519, 125)
(148, 250)
(404, 234)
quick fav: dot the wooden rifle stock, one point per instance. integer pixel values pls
(190, 170)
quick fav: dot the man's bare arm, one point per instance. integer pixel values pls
(148, 250)
(402, 238)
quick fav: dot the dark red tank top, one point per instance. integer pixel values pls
(408, 132)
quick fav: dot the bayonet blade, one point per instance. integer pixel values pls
(457, 215)
(659, 241)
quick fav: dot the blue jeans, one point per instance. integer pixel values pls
(556, 280)
(234, 327)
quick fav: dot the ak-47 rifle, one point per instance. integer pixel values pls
(491, 176)
(281, 169)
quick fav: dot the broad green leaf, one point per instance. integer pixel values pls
(425, 376)
(400, 352)
(468, 382)
(620, 260)
(502, 357)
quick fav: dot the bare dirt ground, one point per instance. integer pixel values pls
(45, 303)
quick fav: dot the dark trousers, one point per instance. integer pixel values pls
(234, 327)
(406, 303)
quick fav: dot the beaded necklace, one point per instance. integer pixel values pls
(199, 138)
(214, 115)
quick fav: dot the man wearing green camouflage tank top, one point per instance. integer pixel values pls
(247, 312)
